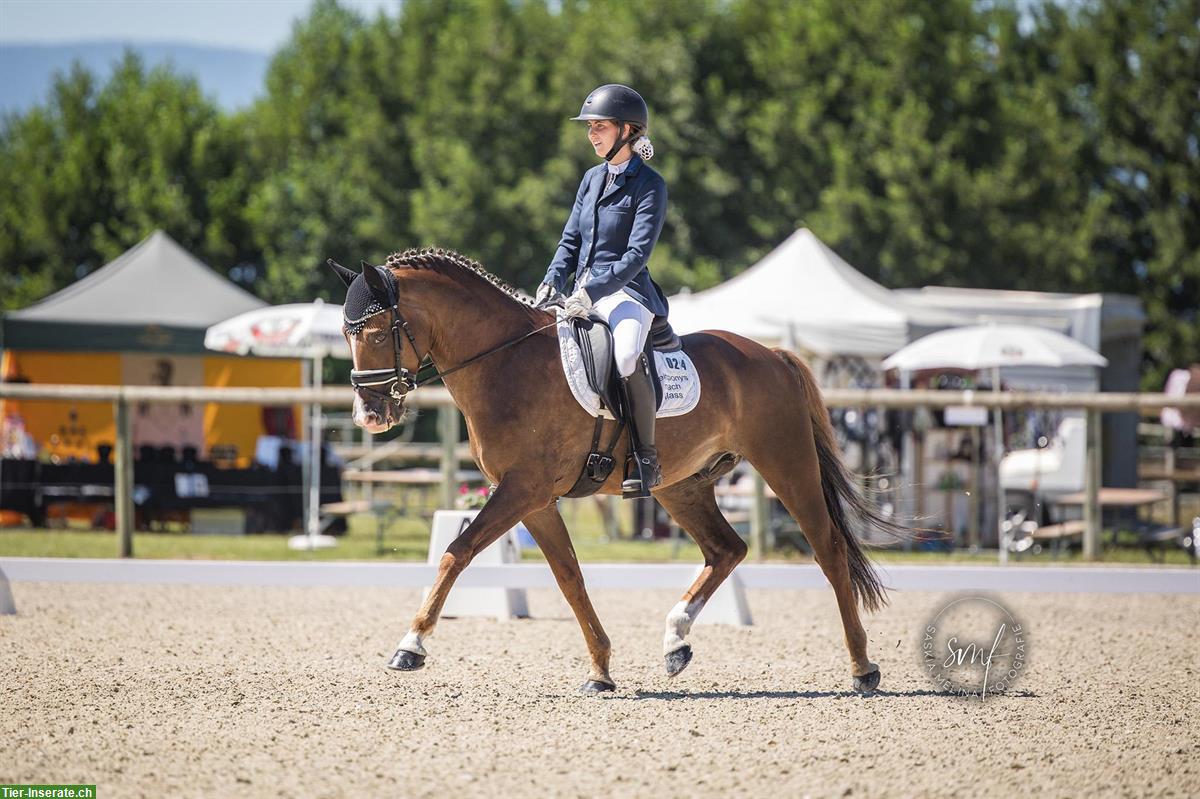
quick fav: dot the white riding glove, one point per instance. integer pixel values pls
(544, 293)
(577, 305)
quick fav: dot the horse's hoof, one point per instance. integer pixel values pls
(677, 660)
(867, 682)
(404, 660)
(596, 687)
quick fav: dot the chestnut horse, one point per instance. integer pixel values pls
(499, 359)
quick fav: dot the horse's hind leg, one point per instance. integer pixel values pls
(693, 505)
(786, 457)
(547, 528)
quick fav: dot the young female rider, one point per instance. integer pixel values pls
(618, 214)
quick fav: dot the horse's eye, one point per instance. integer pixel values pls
(379, 338)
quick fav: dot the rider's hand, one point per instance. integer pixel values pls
(544, 293)
(577, 305)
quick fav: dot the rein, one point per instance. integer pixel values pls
(398, 380)
(483, 355)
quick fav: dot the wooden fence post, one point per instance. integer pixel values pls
(1092, 517)
(759, 517)
(448, 431)
(123, 478)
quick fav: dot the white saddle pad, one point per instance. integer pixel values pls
(678, 375)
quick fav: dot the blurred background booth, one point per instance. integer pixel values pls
(141, 320)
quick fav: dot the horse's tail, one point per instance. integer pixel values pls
(842, 498)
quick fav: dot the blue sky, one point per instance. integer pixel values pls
(259, 25)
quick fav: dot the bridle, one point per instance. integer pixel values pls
(394, 382)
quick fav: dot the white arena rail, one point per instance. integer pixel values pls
(1037, 579)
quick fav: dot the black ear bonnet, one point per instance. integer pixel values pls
(363, 301)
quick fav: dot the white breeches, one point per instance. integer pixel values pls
(630, 322)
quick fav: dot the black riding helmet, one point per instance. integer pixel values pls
(614, 101)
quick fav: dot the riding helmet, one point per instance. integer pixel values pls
(614, 101)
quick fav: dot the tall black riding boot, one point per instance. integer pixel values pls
(640, 406)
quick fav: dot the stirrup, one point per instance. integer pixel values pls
(645, 464)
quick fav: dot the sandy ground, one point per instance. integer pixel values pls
(262, 692)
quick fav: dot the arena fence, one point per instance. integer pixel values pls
(675, 576)
(121, 397)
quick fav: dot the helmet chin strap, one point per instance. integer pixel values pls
(620, 142)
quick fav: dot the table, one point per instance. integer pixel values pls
(1115, 497)
(1108, 498)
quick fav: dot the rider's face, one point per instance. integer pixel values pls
(602, 133)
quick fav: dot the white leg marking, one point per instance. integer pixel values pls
(679, 624)
(412, 643)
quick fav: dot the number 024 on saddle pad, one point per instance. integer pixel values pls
(586, 349)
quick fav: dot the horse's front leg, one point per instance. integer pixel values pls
(547, 528)
(512, 500)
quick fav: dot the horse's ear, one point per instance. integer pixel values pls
(377, 282)
(347, 275)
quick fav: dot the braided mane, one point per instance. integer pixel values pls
(432, 257)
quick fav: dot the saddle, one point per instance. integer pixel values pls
(595, 341)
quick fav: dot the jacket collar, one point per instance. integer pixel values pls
(635, 163)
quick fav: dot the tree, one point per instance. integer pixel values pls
(1133, 69)
(332, 163)
(94, 171)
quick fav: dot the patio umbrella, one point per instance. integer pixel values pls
(993, 346)
(302, 330)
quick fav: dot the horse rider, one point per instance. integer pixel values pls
(616, 220)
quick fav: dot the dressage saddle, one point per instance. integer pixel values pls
(595, 341)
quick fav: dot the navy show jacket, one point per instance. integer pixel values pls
(610, 234)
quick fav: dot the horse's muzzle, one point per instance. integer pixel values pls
(377, 416)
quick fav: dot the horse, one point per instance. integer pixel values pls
(498, 356)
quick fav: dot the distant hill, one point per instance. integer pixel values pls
(232, 77)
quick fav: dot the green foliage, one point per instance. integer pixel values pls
(95, 170)
(1135, 66)
(332, 161)
(1000, 144)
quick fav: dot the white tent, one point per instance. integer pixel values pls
(802, 292)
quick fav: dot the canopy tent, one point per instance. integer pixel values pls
(802, 292)
(139, 320)
(156, 296)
